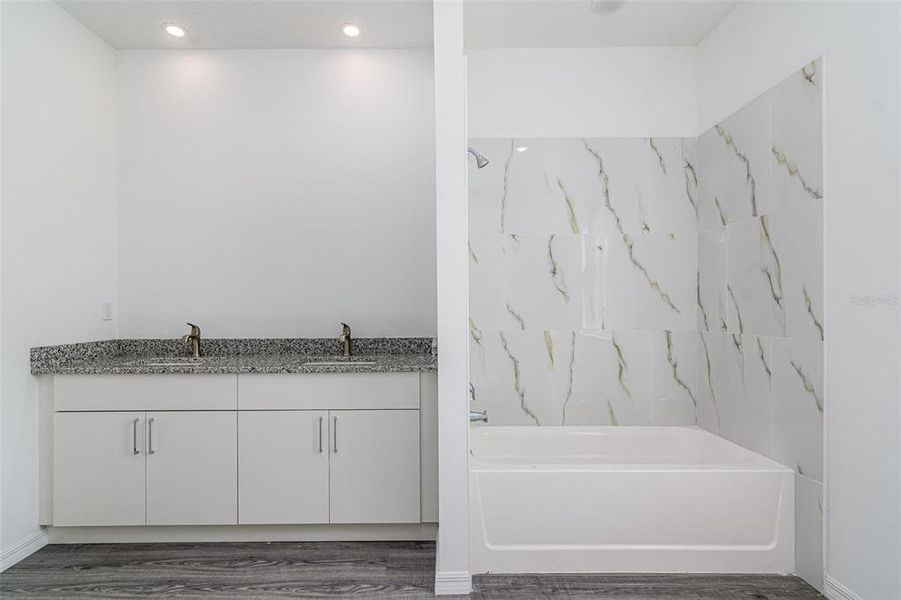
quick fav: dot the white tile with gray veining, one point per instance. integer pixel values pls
(712, 279)
(756, 279)
(797, 240)
(595, 262)
(531, 281)
(651, 282)
(797, 142)
(798, 405)
(735, 174)
(735, 375)
(558, 377)
(775, 273)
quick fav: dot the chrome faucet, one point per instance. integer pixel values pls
(194, 339)
(345, 339)
(478, 416)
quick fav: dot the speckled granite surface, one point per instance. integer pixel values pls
(250, 355)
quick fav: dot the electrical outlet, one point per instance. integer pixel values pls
(106, 310)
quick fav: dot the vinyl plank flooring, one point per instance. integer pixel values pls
(645, 587)
(364, 570)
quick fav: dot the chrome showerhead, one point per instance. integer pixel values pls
(481, 161)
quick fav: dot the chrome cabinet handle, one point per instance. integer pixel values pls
(150, 449)
(335, 438)
(320, 435)
(134, 436)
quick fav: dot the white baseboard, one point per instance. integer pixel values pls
(242, 533)
(22, 549)
(835, 590)
(448, 583)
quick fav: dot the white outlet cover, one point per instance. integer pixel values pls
(106, 310)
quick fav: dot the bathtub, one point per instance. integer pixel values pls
(626, 499)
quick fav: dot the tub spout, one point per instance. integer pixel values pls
(478, 416)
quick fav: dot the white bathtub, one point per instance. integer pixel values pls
(626, 499)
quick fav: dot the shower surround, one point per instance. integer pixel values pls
(656, 281)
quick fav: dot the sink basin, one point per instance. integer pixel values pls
(329, 363)
(173, 364)
(171, 361)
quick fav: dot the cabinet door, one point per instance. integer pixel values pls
(283, 467)
(192, 468)
(374, 466)
(98, 468)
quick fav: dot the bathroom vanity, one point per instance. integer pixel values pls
(244, 440)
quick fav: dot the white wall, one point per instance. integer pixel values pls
(58, 221)
(276, 192)
(754, 47)
(582, 92)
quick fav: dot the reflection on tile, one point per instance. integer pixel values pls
(809, 531)
(798, 405)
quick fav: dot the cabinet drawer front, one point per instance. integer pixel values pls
(328, 391)
(144, 392)
(98, 468)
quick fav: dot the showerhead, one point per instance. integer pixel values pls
(481, 161)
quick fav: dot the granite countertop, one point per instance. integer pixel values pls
(223, 356)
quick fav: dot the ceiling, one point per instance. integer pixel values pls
(572, 24)
(220, 24)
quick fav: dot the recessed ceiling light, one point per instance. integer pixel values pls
(350, 30)
(607, 7)
(174, 30)
(522, 148)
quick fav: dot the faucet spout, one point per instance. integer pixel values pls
(345, 339)
(193, 338)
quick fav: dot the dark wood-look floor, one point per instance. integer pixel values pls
(383, 570)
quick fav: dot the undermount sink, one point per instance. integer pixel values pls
(328, 363)
(186, 361)
(173, 364)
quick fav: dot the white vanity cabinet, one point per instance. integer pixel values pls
(356, 462)
(135, 468)
(272, 449)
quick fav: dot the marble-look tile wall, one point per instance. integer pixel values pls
(583, 268)
(760, 290)
(661, 281)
